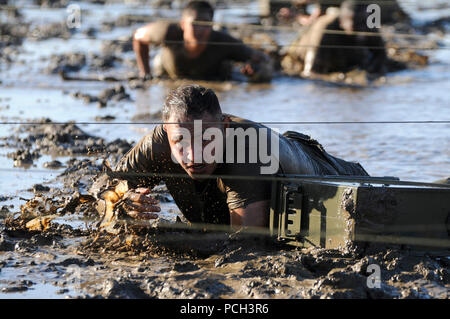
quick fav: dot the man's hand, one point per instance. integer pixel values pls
(139, 205)
(259, 69)
(145, 77)
(247, 70)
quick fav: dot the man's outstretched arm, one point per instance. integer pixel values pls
(258, 65)
(141, 41)
(253, 215)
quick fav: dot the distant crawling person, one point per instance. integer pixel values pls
(338, 41)
(229, 189)
(192, 49)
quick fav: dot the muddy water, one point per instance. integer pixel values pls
(418, 152)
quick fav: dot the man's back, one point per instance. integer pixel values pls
(211, 64)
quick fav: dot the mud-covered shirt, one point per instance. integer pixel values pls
(236, 184)
(209, 65)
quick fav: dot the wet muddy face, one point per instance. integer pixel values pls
(183, 147)
(196, 33)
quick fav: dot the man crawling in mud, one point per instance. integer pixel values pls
(233, 188)
(192, 49)
(333, 44)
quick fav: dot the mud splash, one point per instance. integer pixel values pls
(168, 264)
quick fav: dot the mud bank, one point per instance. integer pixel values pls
(59, 139)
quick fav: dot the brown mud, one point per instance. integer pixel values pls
(66, 139)
(170, 264)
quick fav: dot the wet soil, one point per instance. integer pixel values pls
(60, 139)
(164, 264)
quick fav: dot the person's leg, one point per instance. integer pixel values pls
(322, 162)
(443, 181)
(158, 70)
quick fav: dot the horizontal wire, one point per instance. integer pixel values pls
(364, 235)
(364, 232)
(253, 122)
(386, 228)
(280, 178)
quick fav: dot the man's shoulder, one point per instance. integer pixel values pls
(154, 143)
(237, 120)
(167, 30)
(157, 136)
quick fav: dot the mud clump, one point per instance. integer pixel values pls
(185, 267)
(17, 286)
(117, 47)
(5, 244)
(105, 118)
(126, 20)
(11, 37)
(23, 157)
(53, 30)
(115, 94)
(79, 174)
(74, 62)
(103, 62)
(69, 62)
(39, 188)
(123, 289)
(53, 164)
(12, 34)
(60, 139)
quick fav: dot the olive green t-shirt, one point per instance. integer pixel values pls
(234, 185)
(211, 64)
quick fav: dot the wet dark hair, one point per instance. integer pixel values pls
(200, 7)
(191, 101)
(360, 12)
(358, 8)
